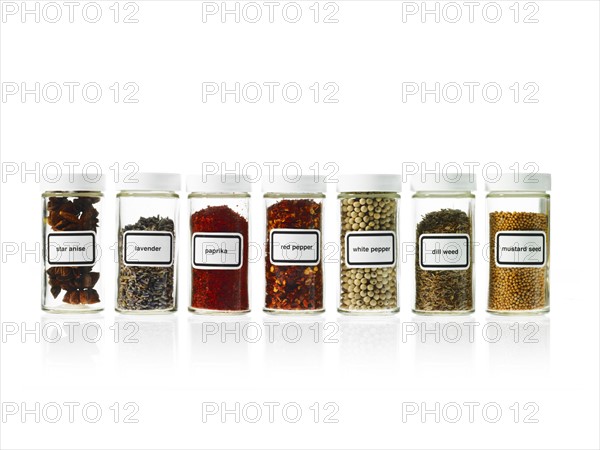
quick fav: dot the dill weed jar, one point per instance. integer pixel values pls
(519, 229)
(219, 225)
(148, 212)
(444, 207)
(294, 270)
(71, 233)
(368, 237)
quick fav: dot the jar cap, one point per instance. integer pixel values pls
(370, 183)
(75, 182)
(520, 182)
(151, 181)
(224, 183)
(444, 182)
(304, 184)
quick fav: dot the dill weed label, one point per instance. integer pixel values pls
(444, 276)
(518, 261)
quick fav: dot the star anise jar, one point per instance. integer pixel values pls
(71, 229)
(294, 269)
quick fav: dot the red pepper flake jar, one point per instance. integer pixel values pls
(294, 270)
(219, 217)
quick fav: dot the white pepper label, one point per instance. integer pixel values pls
(521, 249)
(293, 247)
(370, 249)
(217, 251)
(441, 251)
(71, 248)
(148, 248)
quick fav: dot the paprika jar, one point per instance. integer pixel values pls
(219, 227)
(71, 233)
(518, 207)
(444, 210)
(369, 243)
(148, 214)
(294, 270)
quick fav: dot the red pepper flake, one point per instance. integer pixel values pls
(293, 287)
(220, 290)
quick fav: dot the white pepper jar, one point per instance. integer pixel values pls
(72, 220)
(518, 206)
(148, 217)
(369, 243)
(444, 211)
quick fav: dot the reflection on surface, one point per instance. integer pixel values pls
(369, 341)
(71, 341)
(297, 342)
(146, 340)
(220, 341)
(519, 342)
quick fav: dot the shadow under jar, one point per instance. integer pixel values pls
(369, 243)
(444, 207)
(519, 231)
(219, 226)
(293, 262)
(148, 211)
(71, 233)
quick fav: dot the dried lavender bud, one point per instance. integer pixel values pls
(144, 288)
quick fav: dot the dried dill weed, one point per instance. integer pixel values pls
(368, 237)
(519, 233)
(444, 209)
(148, 210)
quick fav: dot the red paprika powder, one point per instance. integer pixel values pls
(224, 288)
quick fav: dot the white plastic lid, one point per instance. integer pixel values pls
(520, 182)
(370, 183)
(218, 183)
(444, 182)
(74, 182)
(151, 181)
(303, 184)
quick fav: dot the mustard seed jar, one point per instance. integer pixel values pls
(148, 215)
(518, 206)
(219, 227)
(444, 210)
(369, 243)
(72, 219)
(294, 247)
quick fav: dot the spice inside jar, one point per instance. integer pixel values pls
(293, 266)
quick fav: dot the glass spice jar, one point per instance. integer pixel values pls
(219, 225)
(294, 270)
(518, 205)
(148, 214)
(444, 207)
(71, 233)
(369, 242)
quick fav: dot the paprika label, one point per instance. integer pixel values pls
(292, 247)
(217, 251)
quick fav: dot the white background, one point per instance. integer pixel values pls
(376, 367)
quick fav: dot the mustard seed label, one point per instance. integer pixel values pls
(521, 249)
(522, 287)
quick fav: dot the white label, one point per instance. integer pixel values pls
(148, 248)
(370, 249)
(291, 247)
(217, 251)
(441, 251)
(521, 248)
(71, 248)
